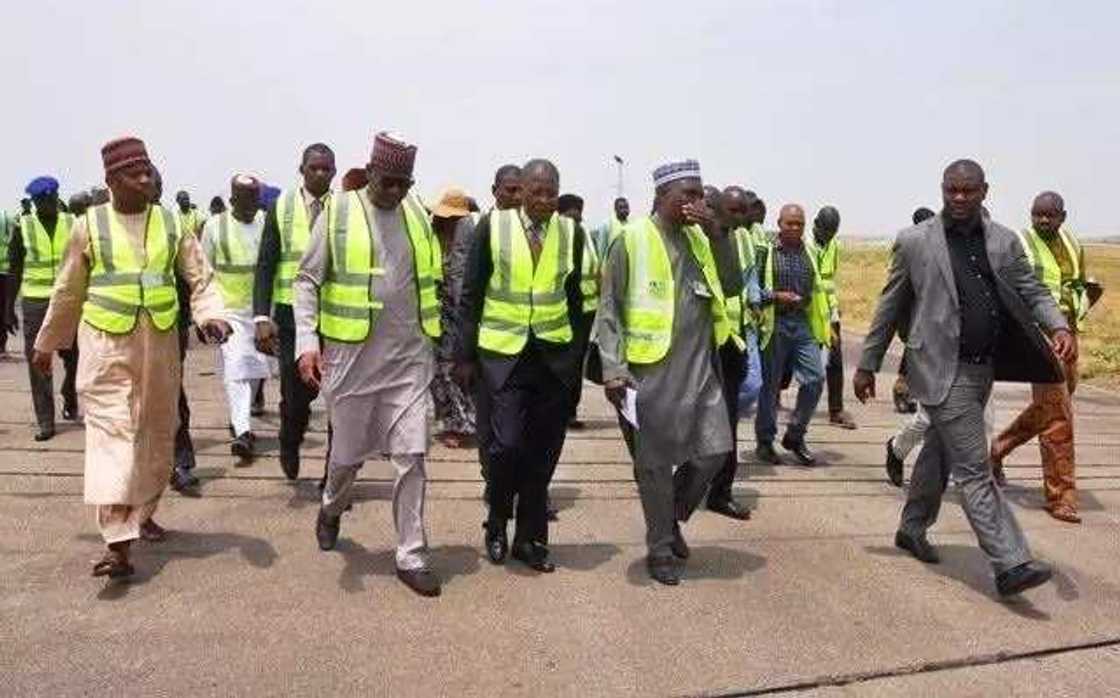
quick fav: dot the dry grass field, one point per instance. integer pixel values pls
(864, 268)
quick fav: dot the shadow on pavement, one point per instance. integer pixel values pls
(569, 556)
(706, 562)
(150, 558)
(450, 561)
(967, 564)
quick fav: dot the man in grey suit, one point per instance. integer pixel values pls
(963, 286)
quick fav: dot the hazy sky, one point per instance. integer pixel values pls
(855, 103)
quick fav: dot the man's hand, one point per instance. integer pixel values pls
(864, 383)
(42, 361)
(1065, 345)
(786, 298)
(464, 374)
(616, 391)
(216, 331)
(311, 368)
(265, 339)
(699, 214)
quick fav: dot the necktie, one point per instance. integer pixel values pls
(535, 242)
(313, 211)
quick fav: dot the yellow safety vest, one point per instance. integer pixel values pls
(827, 259)
(817, 313)
(234, 264)
(44, 253)
(189, 222)
(589, 275)
(650, 292)
(760, 238)
(1049, 272)
(295, 234)
(122, 279)
(348, 308)
(521, 298)
(5, 238)
(738, 309)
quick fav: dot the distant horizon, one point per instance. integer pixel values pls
(856, 105)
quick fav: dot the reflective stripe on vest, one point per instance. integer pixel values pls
(589, 276)
(1049, 272)
(827, 259)
(295, 234)
(348, 308)
(44, 253)
(650, 292)
(234, 264)
(738, 307)
(817, 313)
(122, 280)
(519, 298)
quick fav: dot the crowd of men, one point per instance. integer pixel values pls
(690, 318)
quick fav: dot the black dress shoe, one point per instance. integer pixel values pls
(44, 434)
(289, 462)
(679, 546)
(497, 542)
(575, 424)
(663, 570)
(918, 547)
(533, 554)
(184, 483)
(327, 529)
(729, 508)
(765, 452)
(70, 413)
(894, 465)
(242, 447)
(1026, 576)
(423, 581)
(799, 450)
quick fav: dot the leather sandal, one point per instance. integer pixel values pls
(114, 565)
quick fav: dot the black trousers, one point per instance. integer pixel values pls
(733, 364)
(581, 340)
(295, 396)
(184, 447)
(42, 387)
(528, 418)
(834, 373)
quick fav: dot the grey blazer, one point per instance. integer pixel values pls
(921, 296)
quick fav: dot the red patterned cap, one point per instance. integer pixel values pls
(122, 152)
(392, 156)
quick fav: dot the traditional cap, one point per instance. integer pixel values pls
(245, 181)
(672, 171)
(119, 154)
(354, 179)
(392, 156)
(453, 203)
(42, 186)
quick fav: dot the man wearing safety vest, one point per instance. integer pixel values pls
(826, 249)
(520, 305)
(793, 327)
(735, 258)
(1059, 262)
(35, 257)
(116, 290)
(605, 234)
(662, 319)
(287, 232)
(367, 287)
(190, 218)
(232, 241)
(571, 206)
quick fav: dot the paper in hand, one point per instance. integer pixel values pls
(630, 407)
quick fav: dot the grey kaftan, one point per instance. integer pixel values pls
(377, 391)
(681, 412)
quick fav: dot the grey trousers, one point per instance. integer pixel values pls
(668, 497)
(956, 444)
(408, 504)
(42, 387)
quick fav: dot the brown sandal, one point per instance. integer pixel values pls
(114, 565)
(1065, 513)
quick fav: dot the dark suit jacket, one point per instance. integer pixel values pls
(920, 293)
(563, 360)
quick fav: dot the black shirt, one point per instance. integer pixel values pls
(980, 307)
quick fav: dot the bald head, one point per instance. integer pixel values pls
(791, 225)
(736, 206)
(541, 168)
(1048, 213)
